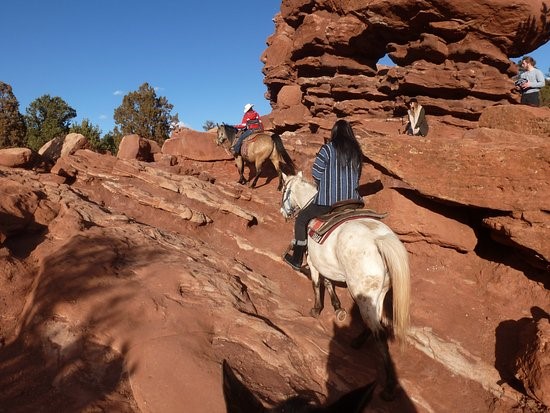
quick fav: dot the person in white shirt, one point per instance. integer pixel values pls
(531, 81)
(417, 125)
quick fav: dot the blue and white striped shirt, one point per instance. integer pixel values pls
(336, 182)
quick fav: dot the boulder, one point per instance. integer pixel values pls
(136, 147)
(533, 361)
(520, 119)
(198, 146)
(62, 146)
(16, 157)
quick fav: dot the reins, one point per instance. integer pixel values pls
(290, 211)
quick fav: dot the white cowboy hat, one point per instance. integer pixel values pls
(247, 107)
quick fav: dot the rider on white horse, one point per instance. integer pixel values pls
(336, 171)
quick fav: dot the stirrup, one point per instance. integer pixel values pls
(288, 259)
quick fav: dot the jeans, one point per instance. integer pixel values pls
(240, 139)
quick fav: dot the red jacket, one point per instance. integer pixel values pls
(251, 120)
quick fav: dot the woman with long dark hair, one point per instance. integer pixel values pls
(336, 171)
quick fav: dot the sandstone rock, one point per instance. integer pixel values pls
(59, 147)
(529, 230)
(16, 157)
(191, 144)
(533, 361)
(486, 168)
(521, 119)
(135, 147)
(18, 204)
(452, 56)
(414, 223)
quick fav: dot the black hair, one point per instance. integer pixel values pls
(348, 150)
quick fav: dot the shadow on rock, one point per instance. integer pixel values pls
(354, 358)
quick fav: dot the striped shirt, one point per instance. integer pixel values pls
(336, 182)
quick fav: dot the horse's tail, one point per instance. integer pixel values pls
(396, 258)
(280, 148)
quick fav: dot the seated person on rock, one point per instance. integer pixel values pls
(417, 124)
(250, 124)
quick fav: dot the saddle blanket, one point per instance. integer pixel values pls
(321, 227)
(248, 140)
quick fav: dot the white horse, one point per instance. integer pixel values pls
(366, 255)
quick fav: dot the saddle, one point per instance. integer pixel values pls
(319, 228)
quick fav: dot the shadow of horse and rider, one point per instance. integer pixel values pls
(366, 256)
(347, 367)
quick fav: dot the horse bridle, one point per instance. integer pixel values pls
(289, 210)
(286, 206)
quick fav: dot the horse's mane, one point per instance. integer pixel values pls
(305, 180)
(230, 131)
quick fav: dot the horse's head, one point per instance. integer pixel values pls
(225, 133)
(239, 398)
(296, 193)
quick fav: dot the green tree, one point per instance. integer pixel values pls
(90, 131)
(145, 114)
(209, 124)
(12, 123)
(111, 141)
(46, 119)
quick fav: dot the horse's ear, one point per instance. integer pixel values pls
(285, 176)
(238, 398)
(299, 174)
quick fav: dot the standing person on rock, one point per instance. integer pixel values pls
(530, 82)
(250, 123)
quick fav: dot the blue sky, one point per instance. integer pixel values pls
(204, 57)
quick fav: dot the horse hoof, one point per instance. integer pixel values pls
(314, 312)
(341, 315)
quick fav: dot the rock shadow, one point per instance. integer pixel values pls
(54, 363)
(507, 346)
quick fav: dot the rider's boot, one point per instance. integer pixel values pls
(295, 260)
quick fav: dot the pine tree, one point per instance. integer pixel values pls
(145, 114)
(90, 131)
(47, 118)
(12, 123)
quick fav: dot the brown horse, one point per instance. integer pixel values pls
(259, 147)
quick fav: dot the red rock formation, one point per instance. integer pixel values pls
(452, 56)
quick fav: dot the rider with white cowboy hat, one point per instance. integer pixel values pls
(251, 123)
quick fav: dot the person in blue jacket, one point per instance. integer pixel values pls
(336, 171)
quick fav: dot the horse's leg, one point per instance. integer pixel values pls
(239, 162)
(335, 301)
(381, 340)
(258, 164)
(318, 291)
(275, 161)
